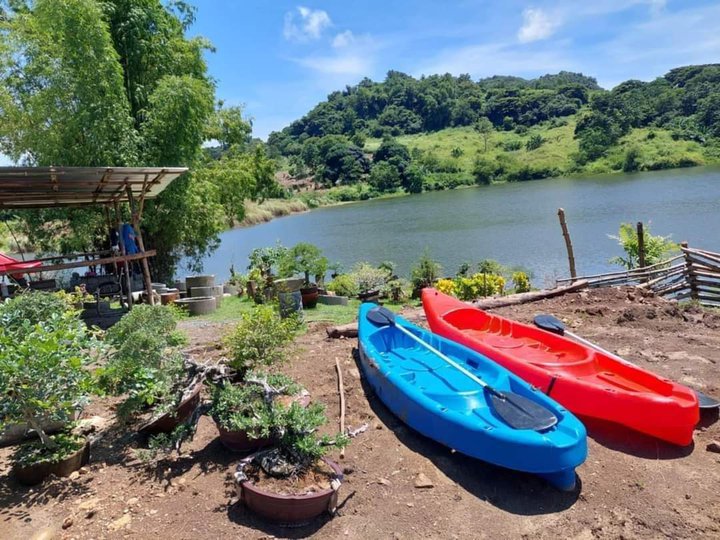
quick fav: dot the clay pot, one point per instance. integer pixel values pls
(169, 421)
(238, 441)
(169, 297)
(35, 473)
(292, 510)
(309, 297)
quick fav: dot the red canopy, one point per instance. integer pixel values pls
(8, 264)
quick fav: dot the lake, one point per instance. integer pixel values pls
(514, 223)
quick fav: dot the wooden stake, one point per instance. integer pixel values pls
(568, 243)
(641, 244)
(692, 280)
(341, 390)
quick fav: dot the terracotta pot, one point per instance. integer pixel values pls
(30, 475)
(169, 297)
(238, 441)
(169, 421)
(293, 510)
(309, 297)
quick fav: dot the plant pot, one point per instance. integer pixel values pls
(333, 300)
(199, 281)
(288, 284)
(370, 296)
(30, 475)
(169, 297)
(291, 510)
(238, 441)
(309, 297)
(198, 306)
(230, 289)
(291, 303)
(169, 421)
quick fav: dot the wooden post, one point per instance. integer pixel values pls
(568, 243)
(123, 251)
(141, 244)
(641, 244)
(690, 272)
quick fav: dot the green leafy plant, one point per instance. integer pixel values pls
(306, 259)
(259, 339)
(521, 282)
(43, 365)
(425, 272)
(656, 247)
(237, 279)
(477, 285)
(266, 260)
(144, 362)
(344, 285)
(397, 290)
(369, 278)
(34, 452)
(299, 443)
(251, 406)
(491, 266)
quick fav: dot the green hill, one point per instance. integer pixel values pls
(407, 134)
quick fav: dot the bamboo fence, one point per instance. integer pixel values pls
(694, 274)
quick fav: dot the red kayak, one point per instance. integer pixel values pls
(582, 379)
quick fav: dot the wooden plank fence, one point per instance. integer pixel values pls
(694, 274)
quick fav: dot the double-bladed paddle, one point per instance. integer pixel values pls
(515, 410)
(556, 326)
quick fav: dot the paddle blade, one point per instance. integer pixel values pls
(381, 316)
(519, 412)
(550, 323)
(705, 401)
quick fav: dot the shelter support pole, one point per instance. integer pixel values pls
(123, 251)
(141, 244)
(568, 243)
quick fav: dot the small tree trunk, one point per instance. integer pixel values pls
(44, 438)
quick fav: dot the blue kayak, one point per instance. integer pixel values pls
(438, 400)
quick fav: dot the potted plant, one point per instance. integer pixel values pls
(243, 413)
(263, 266)
(370, 281)
(43, 378)
(293, 482)
(258, 340)
(308, 260)
(235, 284)
(424, 274)
(146, 366)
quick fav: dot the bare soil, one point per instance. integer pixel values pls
(631, 486)
(314, 480)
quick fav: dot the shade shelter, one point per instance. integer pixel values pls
(24, 188)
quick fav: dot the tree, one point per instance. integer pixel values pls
(485, 128)
(385, 177)
(656, 247)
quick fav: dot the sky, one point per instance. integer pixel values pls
(280, 58)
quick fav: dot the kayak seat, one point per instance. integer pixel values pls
(462, 402)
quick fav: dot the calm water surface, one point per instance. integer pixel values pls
(515, 224)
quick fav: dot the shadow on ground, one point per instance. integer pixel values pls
(513, 491)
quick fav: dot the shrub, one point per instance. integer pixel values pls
(145, 362)
(247, 408)
(534, 142)
(396, 289)
(469, 288)
(491, 266)
(259, 339)
(521, 282)
(656, 247)
(344, 285)
(512, 145)
(425, 272)
(368, 278)
(307, 259)
(631, 162)
(446, 286)
(43, 373)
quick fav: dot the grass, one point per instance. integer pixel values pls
(271, 208)
(233, 307)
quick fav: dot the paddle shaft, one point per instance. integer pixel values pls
(445, 358)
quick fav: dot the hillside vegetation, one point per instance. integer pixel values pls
(409, 135)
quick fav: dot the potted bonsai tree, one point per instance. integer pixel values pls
(263, 266)
(145, 365)
(307, 259)
(240, 412)
(235, 283)
(43, 380)
(370, 281)
(244, 413)
(293, 482)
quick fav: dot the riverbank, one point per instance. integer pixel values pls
(630, 486)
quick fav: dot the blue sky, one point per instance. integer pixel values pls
(280, 58)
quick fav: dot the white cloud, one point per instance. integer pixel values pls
(536, 25)
(343, 39)
(305, 24)
(498, 59)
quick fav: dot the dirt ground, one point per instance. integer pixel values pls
(631, 486)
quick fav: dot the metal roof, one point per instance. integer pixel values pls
(46, 187)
